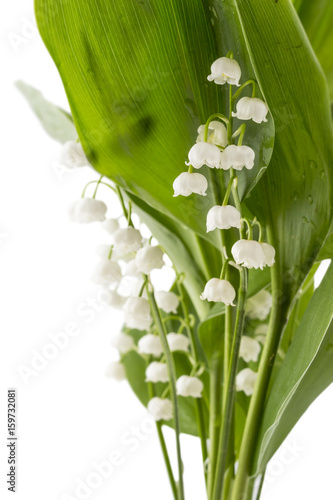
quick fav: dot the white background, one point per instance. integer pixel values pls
(70, 416)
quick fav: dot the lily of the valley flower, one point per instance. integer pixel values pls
(259, 306)
(225, 70)
(127, 240)
(72, 155)
(187, 183)
(260, 333)
(149, 258)
(217, 133)
(167, 301)
(137, 313)
(245, 381)
(112, 298)
(124, 343)
(110, 225)
(189, 387)
(86, 210)
(217, 290)
(223, 217)
(160, 409)
(150, 344)
(251, 108)
(203, 153)
(269, 252)
(178, 342)
(116, 370)
(249, 349)
(132, 270)
(157, 372)
(237, 157)
(106, 272)
(249, 254)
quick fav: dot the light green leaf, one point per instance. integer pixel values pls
(55, 121)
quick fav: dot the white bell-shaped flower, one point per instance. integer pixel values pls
(245, 381)
(187, 183)
(131, 270)
(127, 240)
(149, 258)
(189, 386)
(217, 133)
(116, 370)
(178, 342)
(259, 306)
(137, 313)
(223, 217)
(167, 301)
(106, 272)
(237, 157)
(260, 333)
(110, 225)
(225, 70)
(248, 253)
(203, 153)
(269, 252)
(72, 155)
(160, 409)
(112, 299)
(249, 349)
(150, 344)
(86, 210)
(251, 108)
(157, 372)
(124, 343)
(217, 290)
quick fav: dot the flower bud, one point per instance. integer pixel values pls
(259, 306)
(245, 381)
(237, 157)
(127, 240)
(150, 344)
(86, 210)
(72, 155)
(106, 272)
(137, 313)
(225, 70)
(178, 342)
(249, 349)
(157, 372)
(116, 370)
(187, 183)
(217, 134)
(160, 409)
(251, 108)
(122, 342)
(223, 217)
(110, 225)
(248, 253)
(217, 290)
(269, 252)
(203, 153)
(167, 301)
(149, 258)
(189, 387)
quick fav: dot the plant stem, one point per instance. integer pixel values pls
(172, 376)
(214, 416)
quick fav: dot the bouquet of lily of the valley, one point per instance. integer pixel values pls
(209, 121)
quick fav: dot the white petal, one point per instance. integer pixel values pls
(223, 217)
(124, 343)
(187, 183)
(110, 225)
(203, 153)
(149, 258)
(225, 70)
(150, 344)
(189, 387)
(248, 253)
(178, 342)
(167, 301)
(72, 155)
(87, 210)
(237, 157)
(245, 381)
(160, 409)
(217, 290)
(127, 240)
(249, 349)
(157, 372)
(106, 272)
(116, 370)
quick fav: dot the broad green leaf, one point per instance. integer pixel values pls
(305, 372)
(55, 121)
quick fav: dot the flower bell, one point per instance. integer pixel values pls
(167, 301)
(251, 108)
(132, 271)
(86, 210)
(217, 133)
(245, 381)
(116, 370)
(260, 333)
(217, 290)
(124, 343)
(127, 240)
(203, 153)
(112, 299)
(269, 252)
(249, 349)
(187, 183)
(110, 225)
(160, 409)
(223, 217)
(178, 342)
(248, 253)
(225, 70)
(150, 344)
(237, 157)
(157, 372)
(72, 155)
(137, 313)
(149, 258)
(189, 387)
(106, 273)
(259, 306)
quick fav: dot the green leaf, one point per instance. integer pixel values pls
(55, 121)
(305, 372)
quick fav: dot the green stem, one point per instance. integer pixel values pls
(97, 182)
(227, 193)
(125, 211)
(210, 119)
(242, 87)
(172, 376)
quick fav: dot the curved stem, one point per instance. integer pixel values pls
(98, 183)
(242, 87)
(210, 119)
